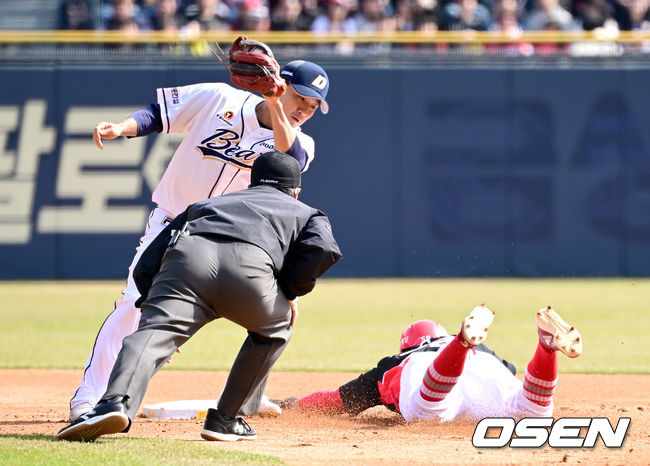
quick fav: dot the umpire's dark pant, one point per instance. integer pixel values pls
(202, 279)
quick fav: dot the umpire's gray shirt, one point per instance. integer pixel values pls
(298, 238)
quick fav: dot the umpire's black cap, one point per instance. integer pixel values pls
(276, 169)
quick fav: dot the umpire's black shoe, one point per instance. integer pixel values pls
(108, 417)
(228, 429)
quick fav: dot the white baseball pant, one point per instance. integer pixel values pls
(123, 321)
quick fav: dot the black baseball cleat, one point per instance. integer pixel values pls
(108, 417)
(227, 429)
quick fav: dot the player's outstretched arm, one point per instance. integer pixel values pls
(108, 130)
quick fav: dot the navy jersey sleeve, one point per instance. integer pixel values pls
(297, 152)
(148, 119)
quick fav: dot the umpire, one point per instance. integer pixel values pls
(245, 257)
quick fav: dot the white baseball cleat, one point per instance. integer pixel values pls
(268, 407)
(476, 325)
(556, 335)
(79, 410)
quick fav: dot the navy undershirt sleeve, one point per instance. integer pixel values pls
(148, 119)
(297, 152)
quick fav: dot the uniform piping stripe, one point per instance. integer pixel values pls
(540, 382)
(533, 397)
(241, 115)
(149, 220)
(435, 375)
(243, 126)
(433, 384)
(528, 382)
(217, 181)
(535, 389)
(432, 395)
(166, 111)
(436, 387)
(230, 182)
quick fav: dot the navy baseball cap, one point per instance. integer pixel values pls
(276, 169)
(309, 80)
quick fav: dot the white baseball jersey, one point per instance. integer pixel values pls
(223, 139)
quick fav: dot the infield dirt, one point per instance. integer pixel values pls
(35, 402)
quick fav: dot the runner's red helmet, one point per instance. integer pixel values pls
(419, 332)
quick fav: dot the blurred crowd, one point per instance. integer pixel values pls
(319, 16)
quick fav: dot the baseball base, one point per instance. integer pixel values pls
(198, 409)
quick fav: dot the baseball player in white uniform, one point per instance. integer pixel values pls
(438, 376)
(225, 130)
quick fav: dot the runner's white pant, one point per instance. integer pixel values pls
(122, 322)
(485, 389)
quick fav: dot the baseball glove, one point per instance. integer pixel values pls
(253, 67)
